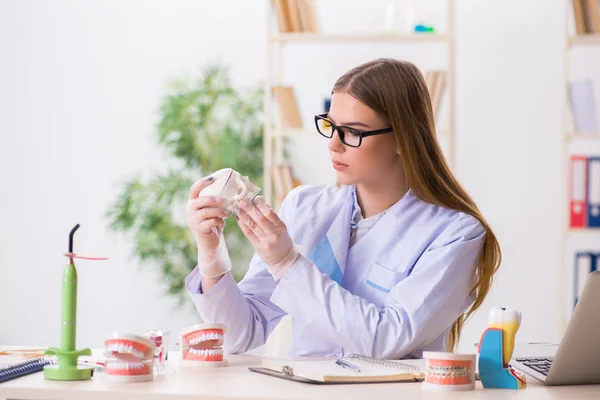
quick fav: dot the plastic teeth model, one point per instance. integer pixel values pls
(201, 345)
(129, 358)
(496, 348)
(509, 321)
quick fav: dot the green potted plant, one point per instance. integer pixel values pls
(205, 125)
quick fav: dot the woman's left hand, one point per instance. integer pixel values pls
(268, 235)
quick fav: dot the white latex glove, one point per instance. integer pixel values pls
(206, 220)
(268, 235)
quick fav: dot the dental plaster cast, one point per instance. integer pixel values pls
(201, 345)
(449, 371)
(231, 186)
(129, 358)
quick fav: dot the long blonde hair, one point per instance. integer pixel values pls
(396, 90)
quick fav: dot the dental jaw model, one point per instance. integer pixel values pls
(496, 348)
(231, 186)
(201, 345)
(449, 371)
(129, 358)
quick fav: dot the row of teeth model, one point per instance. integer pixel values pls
(122, 368)
(124, 348)
(203, 337)
(207, 352)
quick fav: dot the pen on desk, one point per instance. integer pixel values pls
(92, 362)
(346, 364)
(545, 343)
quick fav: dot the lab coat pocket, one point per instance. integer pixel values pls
(383, 279)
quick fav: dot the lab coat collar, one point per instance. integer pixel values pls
(338, 235)
(386, 226)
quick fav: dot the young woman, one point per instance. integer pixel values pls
(389, 264)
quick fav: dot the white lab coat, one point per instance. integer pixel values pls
(394, 294)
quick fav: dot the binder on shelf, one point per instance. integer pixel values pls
(585, 264)
(578, 192)
(593, 195)
(289, 114)
(583, 106)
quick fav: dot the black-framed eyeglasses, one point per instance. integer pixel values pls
(348, 135)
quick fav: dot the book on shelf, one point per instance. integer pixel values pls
(283, 181)
(296, 16)
(436, 83)
(587, 16)
(308, 16)
(289, 114)
(586, 262)
(283, 16)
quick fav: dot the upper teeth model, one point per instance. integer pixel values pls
(201, 344)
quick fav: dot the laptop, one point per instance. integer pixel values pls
(577, 360)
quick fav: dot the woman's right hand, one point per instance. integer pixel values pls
(205, 218)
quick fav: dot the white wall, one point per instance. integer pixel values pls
(79, 88)
(80, 83)
(508, 154)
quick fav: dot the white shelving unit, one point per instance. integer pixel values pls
(589, 142)
(280, 340)
(274, 135)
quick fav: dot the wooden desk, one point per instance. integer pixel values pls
(236, 382)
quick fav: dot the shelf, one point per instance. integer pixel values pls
(359, 37)
(582, 231)
(290, 132)
(582, 136)
(277, 42)
(591, 39)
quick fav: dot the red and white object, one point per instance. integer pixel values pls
(129, 358)
(449, 371)
(202, 345)
(578, 192)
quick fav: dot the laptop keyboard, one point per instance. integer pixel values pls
(541, 365)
